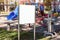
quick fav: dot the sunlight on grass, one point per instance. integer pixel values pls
(46, 38)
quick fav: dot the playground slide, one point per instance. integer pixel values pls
(13, 14)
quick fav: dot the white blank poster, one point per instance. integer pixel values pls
(26, 14)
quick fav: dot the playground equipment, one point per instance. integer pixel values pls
(13, 14)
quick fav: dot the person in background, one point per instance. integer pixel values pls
(42, 9)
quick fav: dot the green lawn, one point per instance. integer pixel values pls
(11, 35)
(29, 36)
(8, 35)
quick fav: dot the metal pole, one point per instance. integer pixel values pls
(18, 32)
(34, 32)
(49, 23)
(18, 22)
(34, 23)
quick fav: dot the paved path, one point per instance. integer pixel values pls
(57, 38)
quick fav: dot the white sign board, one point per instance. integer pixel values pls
(26, 14)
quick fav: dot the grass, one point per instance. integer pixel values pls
(29, 36)
(11, 35)
(26, 36)
(45, 38)
(8, 35)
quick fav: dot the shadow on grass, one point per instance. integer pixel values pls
(30, 36)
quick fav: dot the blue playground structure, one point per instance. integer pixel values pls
(13, 14)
